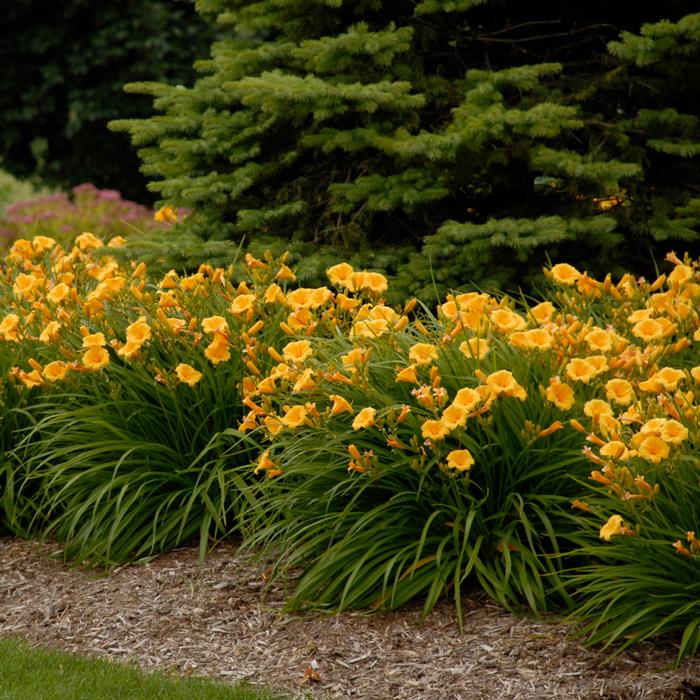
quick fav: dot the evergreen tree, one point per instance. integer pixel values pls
(446, 140)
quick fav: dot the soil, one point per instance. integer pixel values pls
(219, 620)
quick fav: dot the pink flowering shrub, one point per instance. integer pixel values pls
(87, 208)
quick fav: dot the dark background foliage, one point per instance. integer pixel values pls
(64, 65)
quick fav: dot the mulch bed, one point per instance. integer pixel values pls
(217, 620)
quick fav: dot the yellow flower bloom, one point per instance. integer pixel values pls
(598, 362)
(116, 242)
(369, 328)
(59, 293)
(340, 274)
(503, 383)
(654, 425)
(170, 280)
(589, 286)
(95, 357)
(299, 298)
(560, 394)
(88, 240)
(218, 350)
(249, 422)
(266, 386)
(507, 321)
(94, 340)
(138, 332)
(26, 286)
(176, 325)
(599, 340)
(166, 214)
(167, 300)
(566, 274)
(305, 382)
(543, 312)
(319, 296)
(539, 339)
(285, 274)
(242, 304)
(648, 329)
(474, 348)
(186, 374)
(129, 350)
(461, 460)
(422, 354)
(595, 408)
(407, 374)
(274, 424)
(373, 282)
(282, 371)
(340, 405)
(579, 370)
(615, 450)
(192, 282)
(639, 315)
(434, 430)
(653, 449)
(300, 320)
(92, 308)
(264, 463)
(614, 526)
(673, 432)
(519, 339)
(273, 295)
(42, 243)
(355, 357)
(449, 310)
(651, 385)
(620, 391)
(346, 303)
(9, 328)
(477, 302)
(253, 263)
(467, 399)
(680, 274)
(30, 379)
(378, 312)
(294, 417)
(608, 424)
(50, 332)
(669, 378)
(297, 351)
(55, 371)
(215, 324)
(365, 418)
(454, 416)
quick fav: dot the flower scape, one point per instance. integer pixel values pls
(545, 451)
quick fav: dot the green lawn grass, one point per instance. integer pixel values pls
(39, 674)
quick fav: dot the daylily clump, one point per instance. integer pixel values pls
(586, 401)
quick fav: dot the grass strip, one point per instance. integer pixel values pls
(28, 673)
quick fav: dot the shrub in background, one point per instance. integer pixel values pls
(13, 189)
(63, 217)
(64, 67)
(465, 138)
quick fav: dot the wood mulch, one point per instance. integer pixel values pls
(215, 620)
